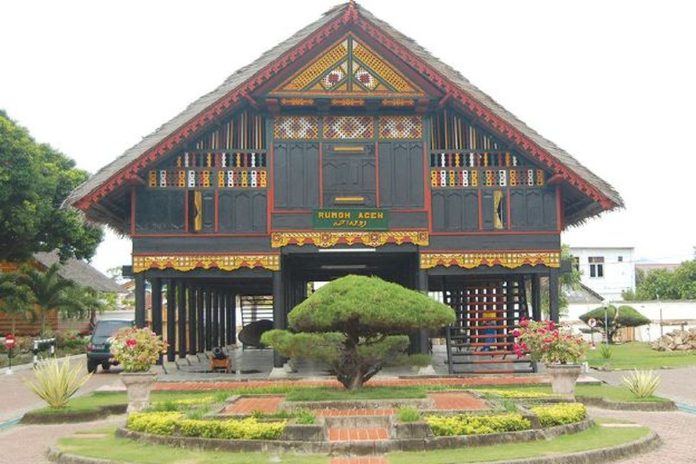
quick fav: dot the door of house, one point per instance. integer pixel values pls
(349, 175)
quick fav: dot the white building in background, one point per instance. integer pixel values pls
(606, 270)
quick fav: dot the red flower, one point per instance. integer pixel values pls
(516, 333)
(524, 322)
(130, 343)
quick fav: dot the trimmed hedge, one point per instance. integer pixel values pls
(560, 414)
(466, 424)
(174, 423)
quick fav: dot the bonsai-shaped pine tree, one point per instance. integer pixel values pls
(358, 325)
(623, 316)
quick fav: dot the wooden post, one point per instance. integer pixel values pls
(536, 297)
(216, 319)
(208, 319)
(192, 319)
(278, 312)
(181, 319)
(200, 316)
(171, 320)
(139, 300)
(156, 284)
(223, 319)
(553, 295)
(422, 341)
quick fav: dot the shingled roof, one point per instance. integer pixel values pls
(80, 272)
(604, 196)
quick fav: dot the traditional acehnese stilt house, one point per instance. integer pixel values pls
(346, 149)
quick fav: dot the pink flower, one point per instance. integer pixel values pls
(130, 343)
(516, 333)
(524, 322)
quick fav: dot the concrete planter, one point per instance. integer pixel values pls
(563, 378)
(138, 385)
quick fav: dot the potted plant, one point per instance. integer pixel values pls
(555, 346)
(137, 350)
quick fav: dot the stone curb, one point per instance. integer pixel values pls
(661, 406)
(70, 417)
(584, 457)
(30, 365)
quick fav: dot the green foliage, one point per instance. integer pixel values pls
(642, 383)
(305, 417)
(559, 414)
(357, 325)
(55, 381)
(175, 423)
(409, 415)
(35, 179)
(468, 424)
(662, 284)
(605, 351)
(623, 316)
(15, 298)
(510, 393)
(567, 279)
(545, 341)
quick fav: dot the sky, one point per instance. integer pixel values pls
(613, 83)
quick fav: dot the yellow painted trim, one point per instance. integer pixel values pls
(329, 239)
(189, 262)
(510, 260)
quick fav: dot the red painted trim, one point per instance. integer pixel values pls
(498, 232)
(480, 208)
(235, 253)
(292, 211)
(321, 174)
(132, 212)
(197, 235)
(427, 190)
(559, 208)
(351, 15)
(400, 229)
(270, 188)
(505, 250)
(377, 196)
(509, 216)
(217, 211)
(186, 212)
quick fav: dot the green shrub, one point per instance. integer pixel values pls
(409, 415)
(559, 414)
(175, 423)
(167, 405)
(505, 393)
(305, 416)
(55, 381)
(158, 423)
(466, 424)
(605, 351)
(642, 383)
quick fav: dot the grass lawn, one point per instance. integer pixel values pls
(638, 355)
(608, 392)
(102, 444)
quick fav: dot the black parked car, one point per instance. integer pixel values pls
(99, 348)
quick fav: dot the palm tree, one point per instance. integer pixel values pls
(49, 290)
(84, 301)
(15, 298)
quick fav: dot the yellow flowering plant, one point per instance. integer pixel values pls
(136, 349)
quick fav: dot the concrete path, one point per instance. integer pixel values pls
(18, 399)
(677, 384)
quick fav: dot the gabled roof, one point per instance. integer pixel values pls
(79, 272)
(238, 87)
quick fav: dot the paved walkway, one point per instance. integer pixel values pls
(17, 398)
(677, 384)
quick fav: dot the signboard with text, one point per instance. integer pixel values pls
(350, 219)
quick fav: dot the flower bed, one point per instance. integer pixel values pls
(560, 414)
(465, 424)
(175, 423)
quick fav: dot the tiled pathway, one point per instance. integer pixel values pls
(358, 433)
(264, 404)
(457, 400)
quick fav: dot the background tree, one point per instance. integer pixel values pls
(623, 316)
(35, 179)
(663, 284)
(565, 280)
(49, 292)
(357, 325)
(84, 303)
(15, 299)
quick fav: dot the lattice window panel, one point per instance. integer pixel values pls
(296, 127)
(348, 127)
(400, 127)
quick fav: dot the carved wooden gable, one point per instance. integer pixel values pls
(349, 67)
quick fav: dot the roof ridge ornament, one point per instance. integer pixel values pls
(351, 14)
